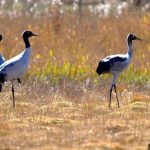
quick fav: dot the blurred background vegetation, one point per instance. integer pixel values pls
(15, 8)
(75, 35)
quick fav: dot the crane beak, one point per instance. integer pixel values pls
(136, 38)
(34, 34)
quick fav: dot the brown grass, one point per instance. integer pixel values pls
(56, 120)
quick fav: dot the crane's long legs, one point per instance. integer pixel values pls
(110, 94)
(115, 88)
(113, 85)
(13, 94)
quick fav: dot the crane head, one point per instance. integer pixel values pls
(28, 34)
(131, 37)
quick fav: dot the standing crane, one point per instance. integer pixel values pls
(15, 67)
(115, 64)
(2, 60)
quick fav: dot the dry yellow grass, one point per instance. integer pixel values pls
(53, 119)
(62, 104)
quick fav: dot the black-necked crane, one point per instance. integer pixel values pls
(2, 60)
(115, 64)
(15, 67)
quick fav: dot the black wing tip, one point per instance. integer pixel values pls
(99, 73)
(103, 67)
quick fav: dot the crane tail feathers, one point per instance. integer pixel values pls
(2, 80)
(103, 67)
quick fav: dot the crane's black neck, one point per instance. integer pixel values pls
(26, 41)
(129, 43)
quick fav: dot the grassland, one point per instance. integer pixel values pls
(62, 103)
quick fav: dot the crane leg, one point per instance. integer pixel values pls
(110, 92)
(13, 94)
(115, 88)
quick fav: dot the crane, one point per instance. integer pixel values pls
(115, 64)
(15, 67)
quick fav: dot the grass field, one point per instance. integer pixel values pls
(62, 103)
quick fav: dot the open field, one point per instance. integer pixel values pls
(62, 103)
(72, 118)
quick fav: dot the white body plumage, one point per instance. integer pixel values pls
(118, 62)
(15, 67)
